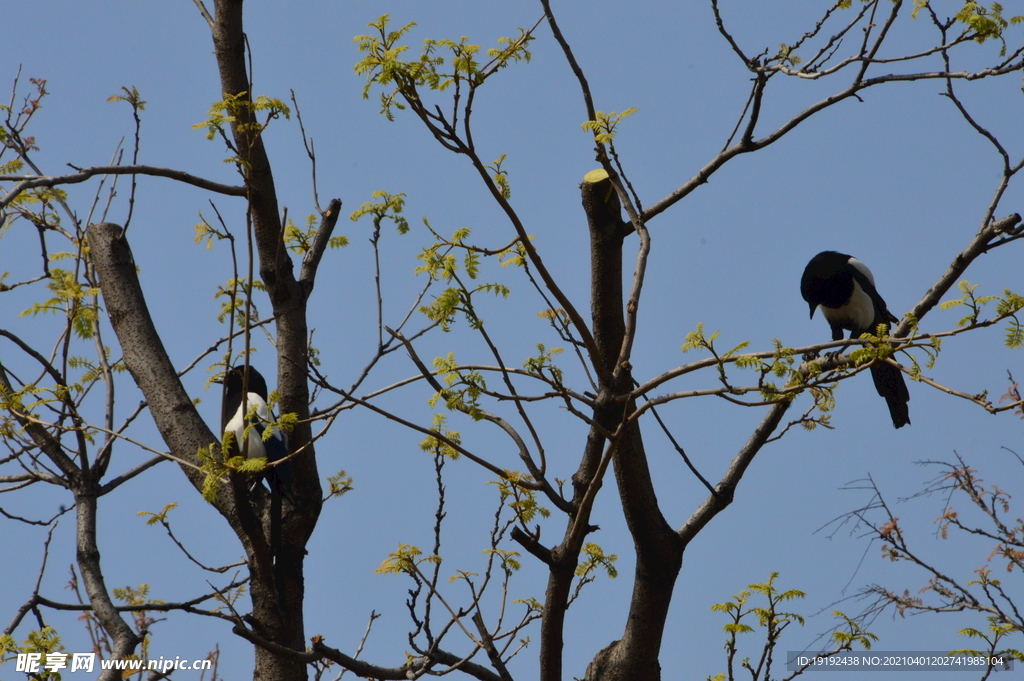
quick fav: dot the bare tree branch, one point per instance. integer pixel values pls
(83, 174)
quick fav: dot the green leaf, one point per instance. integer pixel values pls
(605, 126)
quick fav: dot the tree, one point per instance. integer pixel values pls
(984, 526)
(53, 433)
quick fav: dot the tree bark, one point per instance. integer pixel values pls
(658, 549)
(288, 299)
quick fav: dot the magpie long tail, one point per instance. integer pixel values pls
(890, 384)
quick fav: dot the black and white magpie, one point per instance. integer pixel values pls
(253, 446)
(245, 407)
(844, 288)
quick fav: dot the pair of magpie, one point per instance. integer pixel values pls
(844, 288)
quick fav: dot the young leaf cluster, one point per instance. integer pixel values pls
(523, 500)
(299, 240)
(405, 561)
(782, 364)
(160, 517)
(131, 96)
(389, 209)
(774, 621)
(70, 299)
(45, 642)
(462, 388)
(242, 113)
(339, 485)
(216, 469)
(544, 362)
(204, 230)
(1007, 307)
(593, 558)
(235, 293)
(604, 128)
(36, 205)
(441, 264)
(997, 631)
(382, 64)
(433, 443)
(985, 23)
(500, 177)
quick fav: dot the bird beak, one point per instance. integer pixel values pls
(814, 307)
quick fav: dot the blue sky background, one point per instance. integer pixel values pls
(898, 179)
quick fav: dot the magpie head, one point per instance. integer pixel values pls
(234, 379)
(827, 280)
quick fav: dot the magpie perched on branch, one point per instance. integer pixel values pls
(233, 418)
(844, 288)
(245, 407)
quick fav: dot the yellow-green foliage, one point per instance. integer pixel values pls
(339, 484)
(388, 209)
(782, 364)
(235, 293)
(405, 561)
(43, 641)
(604, 128)
(463, 388)
(594, 557)
(241, 113)
(204, 230)
(131, 96)
(979, 23)
(70, 299)
(216, 469)
(440, 65)
(442, 440)
(523, 500)
(997, 631)
(229, 110)
(968, 300)
(213, 470)
(298, 240)
(544, 362)
(160, 517)
(773, 620)
(1007, 307)
(986, 23)
(509, 559)
(441, 264)
(134, 596)
(500, 177)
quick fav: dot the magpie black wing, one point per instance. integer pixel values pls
(276, 447)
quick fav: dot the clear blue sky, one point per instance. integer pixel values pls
(898, 179)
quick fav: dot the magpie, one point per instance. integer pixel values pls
(245, 406)
(844, 288)
(233, 420)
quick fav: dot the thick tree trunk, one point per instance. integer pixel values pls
(658, 548)
(288, 298)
